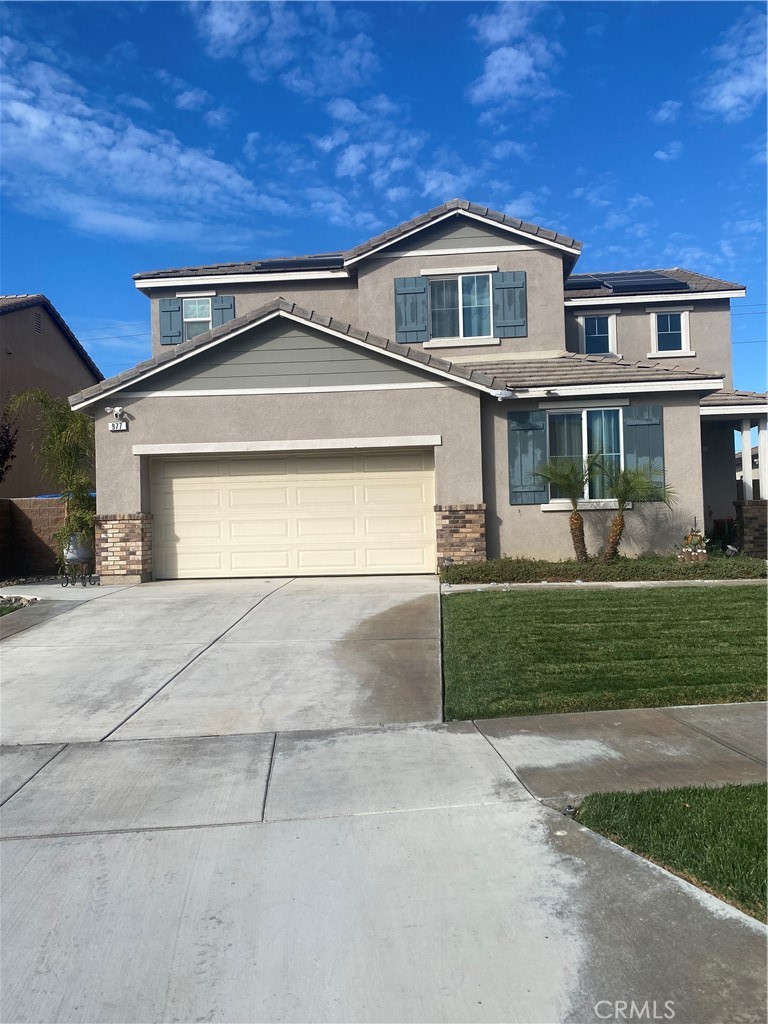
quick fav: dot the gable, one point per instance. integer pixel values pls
(458, 233)
(281, 355)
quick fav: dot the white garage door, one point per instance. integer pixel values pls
(341, 513)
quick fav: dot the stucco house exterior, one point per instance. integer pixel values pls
(383, 410)
(37, 350)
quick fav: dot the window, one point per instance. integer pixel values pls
(669, 332)
(597, 334)
(574, 435)
(453, 306)
(197, 317)
(460, 307)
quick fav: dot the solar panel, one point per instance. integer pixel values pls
(581, 281)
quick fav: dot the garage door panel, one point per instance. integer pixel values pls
(331, 514)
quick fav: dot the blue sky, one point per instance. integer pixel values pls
(137, 136)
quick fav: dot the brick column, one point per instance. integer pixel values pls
(752, 527)
(124, 548)
(460, 534)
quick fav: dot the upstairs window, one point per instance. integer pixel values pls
(460, 307)
(597, 339)
(197, 317)
(669, 332)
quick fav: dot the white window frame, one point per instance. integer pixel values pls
(562, 504)
(461, 338)
(196, 319)
(612, 331)
(685, 332)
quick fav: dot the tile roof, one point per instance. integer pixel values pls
(493, 375)
(336, 260)
(569, 368)
(689, 281)
(12, 303)
(736, 398)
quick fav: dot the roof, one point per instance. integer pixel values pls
(490, 376)
(628, 282)
(337, 260)
(570, 368)
(736, 398)
(12, 303)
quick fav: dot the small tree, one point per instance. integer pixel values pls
(630, 487)
(570, 477)
(8, 434)
(66, 449)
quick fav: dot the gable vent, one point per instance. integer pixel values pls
(38, 322)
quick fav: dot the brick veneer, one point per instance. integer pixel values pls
(752, 527)
(27, 546)
(460, 533)
(124, 547)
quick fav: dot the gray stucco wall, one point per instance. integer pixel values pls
(719, 468)
(710, 334)
(527, 531)
(452, 412)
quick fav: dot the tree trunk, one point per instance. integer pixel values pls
(576, 523)
(614, 537)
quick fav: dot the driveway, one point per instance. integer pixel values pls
(221, 657)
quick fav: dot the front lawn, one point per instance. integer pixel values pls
(715, 838)
(539, 652)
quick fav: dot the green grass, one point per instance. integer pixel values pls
(6, 609)
(651, 567)
(715, 838)
(539, 652)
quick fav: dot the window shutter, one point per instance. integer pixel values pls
(510, 305)
(222, 309)
(411, 310)
(644, 438)
(170, 322)
(527, 452)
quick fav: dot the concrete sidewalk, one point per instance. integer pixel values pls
(380, 874)
(561, 758)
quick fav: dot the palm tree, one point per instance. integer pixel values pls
(630, 487)
(66, 448)
(570, 477)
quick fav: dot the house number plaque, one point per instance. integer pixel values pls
(118, 425)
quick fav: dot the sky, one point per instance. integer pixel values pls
(139, 136)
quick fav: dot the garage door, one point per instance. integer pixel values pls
(294, 515)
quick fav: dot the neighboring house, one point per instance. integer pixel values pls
(37, 350)
(385, 409)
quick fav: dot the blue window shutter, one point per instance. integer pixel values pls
(411, 310)
(170, 322)
(527, 452)
(510, 305)
(644, 438)
(222, 309)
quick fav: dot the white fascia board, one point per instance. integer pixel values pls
(636, 387)
(319, 445)
(734, 410)
(471, 216)
(607, 300)
(216, 279)
(304, 323)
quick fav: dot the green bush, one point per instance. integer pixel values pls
(647, 568)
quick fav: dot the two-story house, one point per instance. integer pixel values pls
(386, 408)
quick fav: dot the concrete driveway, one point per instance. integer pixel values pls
(220, 657)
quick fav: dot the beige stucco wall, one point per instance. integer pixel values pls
(452, 412)
(710, 334)
(527, 531)
(31, 360)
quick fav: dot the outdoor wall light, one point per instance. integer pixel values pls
(117, 411)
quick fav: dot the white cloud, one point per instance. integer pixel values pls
(636, 201)
(527, 204)
(136, 102)
(398, 194)
(438, 183)
(218, 118)
(345, 110)
(749, 227)
(333, 206)
(667, 113)
(250, 148)
(327, 143)
(508, 21)
(737, 85)
(192, 99)
(507, 148)
(352, 161)
(672, 152)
